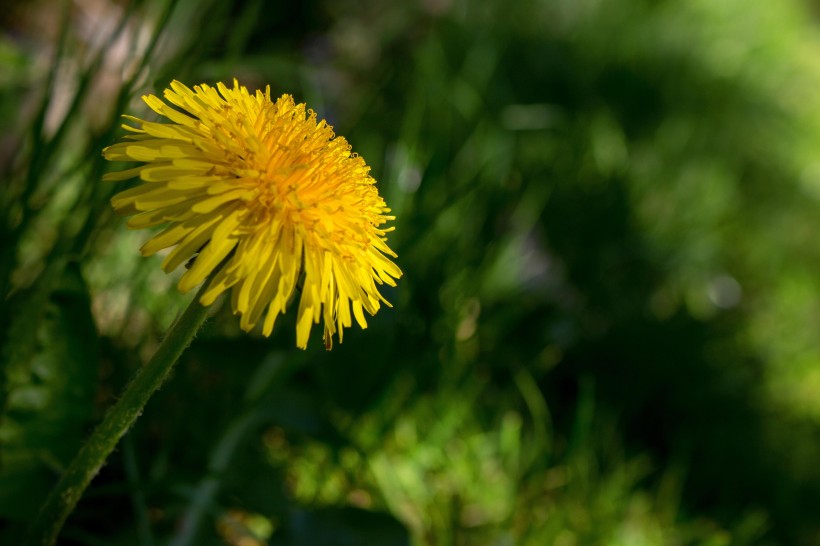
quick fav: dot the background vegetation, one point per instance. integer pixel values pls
(608, 332)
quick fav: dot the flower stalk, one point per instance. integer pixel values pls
(117, 421)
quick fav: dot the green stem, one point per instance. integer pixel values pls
(117, 421)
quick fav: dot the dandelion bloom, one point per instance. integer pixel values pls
(258, 193)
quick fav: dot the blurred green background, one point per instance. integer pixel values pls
(608, 331)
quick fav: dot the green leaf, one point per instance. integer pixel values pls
(50, 399)
(345, 526)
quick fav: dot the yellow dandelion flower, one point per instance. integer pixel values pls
(260, 194)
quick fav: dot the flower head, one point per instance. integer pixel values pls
(257, 194)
